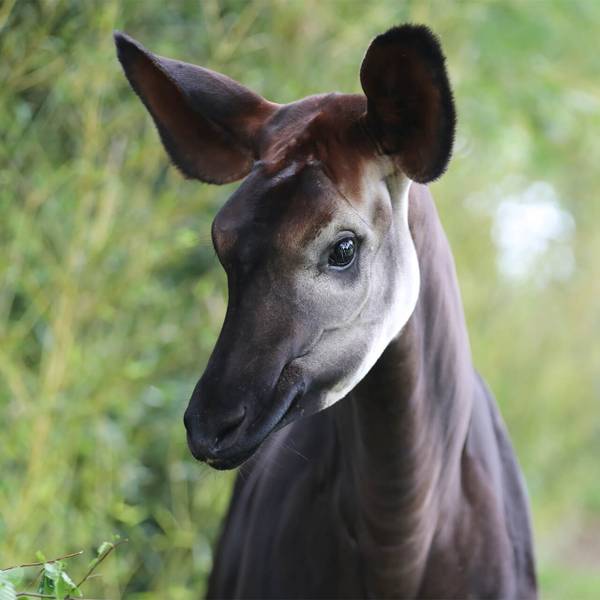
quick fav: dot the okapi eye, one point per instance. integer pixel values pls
(343, 253)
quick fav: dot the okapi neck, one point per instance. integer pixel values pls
(403, 428)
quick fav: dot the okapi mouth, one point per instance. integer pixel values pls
(225, 464)
(246, 446)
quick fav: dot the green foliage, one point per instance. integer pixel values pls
(53, 580)
(7, 587)
(111, 297)
(56, 582)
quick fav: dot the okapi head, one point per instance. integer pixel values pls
(321, 266)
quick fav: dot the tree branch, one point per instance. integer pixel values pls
(42, 563)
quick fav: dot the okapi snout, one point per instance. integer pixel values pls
(211, 438)
(228, 417)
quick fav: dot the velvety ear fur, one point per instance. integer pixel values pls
(208, 123)
(410, 110)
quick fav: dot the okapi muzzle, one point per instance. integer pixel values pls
(321, 266)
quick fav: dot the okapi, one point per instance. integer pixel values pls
(381, 466)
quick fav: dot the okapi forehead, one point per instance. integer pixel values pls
(315, 158)
(287, 207)
(328, 130)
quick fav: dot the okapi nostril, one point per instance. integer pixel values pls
(229, 427)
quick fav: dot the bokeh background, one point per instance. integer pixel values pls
(111, 297)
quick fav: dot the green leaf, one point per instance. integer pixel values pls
(50, 577)
(46, 585)
(68, 580)
(7, 589)
(104, 547)
(65, 586)
(53, 570)
(15, 576)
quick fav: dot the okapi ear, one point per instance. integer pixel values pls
(208, 123)
(410, 110)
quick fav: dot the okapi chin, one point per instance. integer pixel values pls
(380, 466)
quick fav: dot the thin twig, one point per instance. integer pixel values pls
(44, 562)
(99, 560)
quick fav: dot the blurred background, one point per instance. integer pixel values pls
(111, 297)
